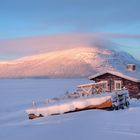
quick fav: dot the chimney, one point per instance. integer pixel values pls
(131, 67)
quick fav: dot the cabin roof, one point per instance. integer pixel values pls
(129, 75)
(90, 84)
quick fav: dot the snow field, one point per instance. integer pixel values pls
(17, 95)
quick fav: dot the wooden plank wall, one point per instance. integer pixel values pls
(133, 87)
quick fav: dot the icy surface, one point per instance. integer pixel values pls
(17, 95)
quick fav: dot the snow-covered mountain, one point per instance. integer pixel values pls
(77, 62)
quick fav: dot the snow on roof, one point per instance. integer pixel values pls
(90, 84)
(129, 75)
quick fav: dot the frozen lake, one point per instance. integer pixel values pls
(17, 95)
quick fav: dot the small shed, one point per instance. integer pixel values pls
(116, 80)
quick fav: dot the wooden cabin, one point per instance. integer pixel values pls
(116, 80)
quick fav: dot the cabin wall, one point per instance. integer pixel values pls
(110, 78)
(133, 87)
(139, 91)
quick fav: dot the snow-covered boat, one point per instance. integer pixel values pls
(88, 96)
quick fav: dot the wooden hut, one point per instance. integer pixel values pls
(116, 80)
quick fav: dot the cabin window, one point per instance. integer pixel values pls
(118, 85)
(105, 85)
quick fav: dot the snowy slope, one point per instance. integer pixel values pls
(16, 96)
(78, 62)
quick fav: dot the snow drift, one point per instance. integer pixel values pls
(114, 100)
(69, 106)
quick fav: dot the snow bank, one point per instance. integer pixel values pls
(69, 106)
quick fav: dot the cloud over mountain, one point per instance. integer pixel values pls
(19, 47)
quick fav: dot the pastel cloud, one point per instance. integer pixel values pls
(41, 44)
(120, 35)
(18, 47)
